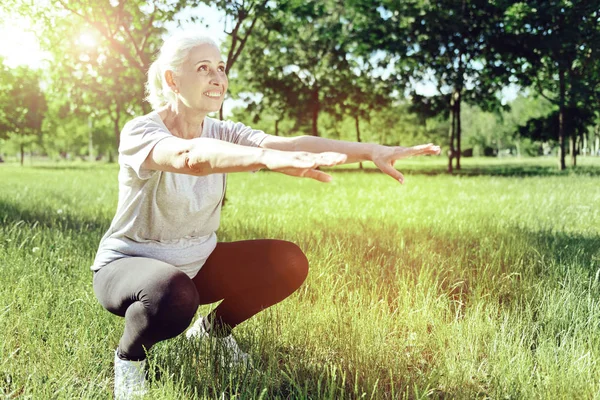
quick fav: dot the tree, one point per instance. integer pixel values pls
(555, 50)
(397, 125)
(492, 132)
(456, 41)
(22, 105)
(546, 128)
(104, 77)
(452, 43)
(298, 60)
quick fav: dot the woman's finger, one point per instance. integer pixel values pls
(317, 175)
(414, 150)
(391, 171)
(404, 152)
(426, 149)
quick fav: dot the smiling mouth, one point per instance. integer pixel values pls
(213, 95)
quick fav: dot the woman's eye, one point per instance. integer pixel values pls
(221, 68)
(203, 68)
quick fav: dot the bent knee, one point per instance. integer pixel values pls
(176, 298)
(294, 264)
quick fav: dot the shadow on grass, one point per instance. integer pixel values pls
(508, 169)
(74, 167)
(499, 170)
(564, 249)
(11, 214)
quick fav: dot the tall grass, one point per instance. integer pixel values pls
(480, 285)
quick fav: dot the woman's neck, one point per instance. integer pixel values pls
(183, 122)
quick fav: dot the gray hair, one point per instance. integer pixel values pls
(171, 56)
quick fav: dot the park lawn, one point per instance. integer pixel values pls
(484, 284)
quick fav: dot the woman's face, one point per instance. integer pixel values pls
(202, 82)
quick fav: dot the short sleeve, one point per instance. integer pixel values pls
(138, 138)
(238, 133)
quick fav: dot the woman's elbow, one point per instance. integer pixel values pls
(194, 165)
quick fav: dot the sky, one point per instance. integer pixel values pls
(213, 24)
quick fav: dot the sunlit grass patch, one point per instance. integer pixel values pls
(448, 286)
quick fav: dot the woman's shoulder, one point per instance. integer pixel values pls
(151, 119)
(214, 122)
(216, 126)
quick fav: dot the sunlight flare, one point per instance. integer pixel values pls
(88, 39)
(20, 46)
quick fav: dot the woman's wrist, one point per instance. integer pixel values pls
(374, 150)
(263, 157)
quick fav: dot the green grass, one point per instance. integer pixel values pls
(480, 285)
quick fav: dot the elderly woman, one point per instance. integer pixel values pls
(160, 258)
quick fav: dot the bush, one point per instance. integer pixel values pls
(489, 152)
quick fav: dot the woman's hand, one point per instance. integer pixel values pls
(301, 163)
(384, 157)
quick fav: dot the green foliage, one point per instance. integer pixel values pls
(502, 130)
(100, 54)
(397, 126)
(316, 67)
(453, 44)
(546, 128)
(22, 105)
(299, 61)
(554, 49)
(555, 34)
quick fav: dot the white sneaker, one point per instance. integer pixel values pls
(234, 356)
(130, 379)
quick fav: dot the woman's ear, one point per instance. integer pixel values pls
(170, 78)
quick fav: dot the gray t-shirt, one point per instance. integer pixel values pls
(163, 215)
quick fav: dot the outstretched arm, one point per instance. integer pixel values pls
(384, 157)
(354, 151)
(204, 156)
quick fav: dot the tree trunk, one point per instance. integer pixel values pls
(221, 113)
(22, 153)
(597, 140)
(451, 135)
(356, 121)
(276, 127)
(315, 111)
(574, 148)
(116, 126)
(458, 129)
(561, 119)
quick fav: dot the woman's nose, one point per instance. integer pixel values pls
(218, 78)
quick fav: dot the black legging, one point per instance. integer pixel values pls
(159, 301)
